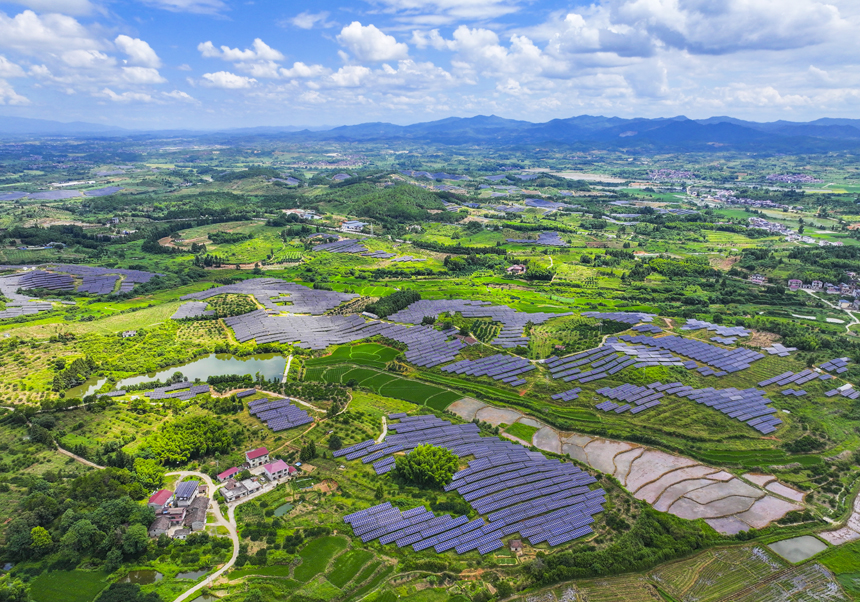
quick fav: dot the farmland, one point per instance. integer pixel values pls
(693, 493)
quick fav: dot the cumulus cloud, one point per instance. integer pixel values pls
(706, 27)
(260, 52)
(302, 70)
(227, 80)
(138, 51)
(368, 43)
(309, 20)
(30, 33)
(10, 69)
(126, 96)
(181, 96)
(8, 96)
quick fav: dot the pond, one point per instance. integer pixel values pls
(142, 577)
(282, 510)
(192, 574)
(270, 365)
(798, 549)
(90, 386)
(206, 598)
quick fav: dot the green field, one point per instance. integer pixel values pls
(67, 586)
(347, 566)
(389, 385)
(316, 556)
(522, 431)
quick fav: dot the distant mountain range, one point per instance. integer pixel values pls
(675, 133)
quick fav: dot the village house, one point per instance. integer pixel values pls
(186, 492)
(175, 516)
(278, 470)
(352, 225)
(159, 526)
(234, 490)
(160, 500)
(516, 269)
(256, 457)
(758, 279)
(181, 534)
(195, 518)
(795, 284)
(227, 474)
(817, 285)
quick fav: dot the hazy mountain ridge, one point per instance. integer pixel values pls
(679, 133)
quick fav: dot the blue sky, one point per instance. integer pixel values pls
(220, 63)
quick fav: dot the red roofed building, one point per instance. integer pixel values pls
(278, 470)
(160, 499)
(258, 456)
(227, 474)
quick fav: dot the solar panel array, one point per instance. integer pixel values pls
(506, 368)
(845, 391)
(178, 391)
(650, 328)
(130, 277)
(723, 331)
(725, 340)
(19, 305)
(347, 245)
(725, 360)
(98, 284)
(513, 322)
(46, 280)
(779, 349)
(747, 405)
(609, 359)
(518, 491)
(279, 415)
(192, 309)
(545, 204)
(839, 365)
(796, 393)
(426, 347)
(568, 395)
(507, 208)
(792, 378)
(625, 317)
(270, 291)
(246, 393)
(378, 254)
(407, 258)
(547, 238)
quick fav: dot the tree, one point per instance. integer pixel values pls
(149, 473)
(127, 592)
(504, 590)
(41, 541)
(335, 443)
(113, 560)
(380, 492)
(427, 466)
(135, 540)
(82, 537)
(13, 591)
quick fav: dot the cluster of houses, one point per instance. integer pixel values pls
(273, 472)
(790, 235)
(353, 225)
(848, 290)
(179, 512)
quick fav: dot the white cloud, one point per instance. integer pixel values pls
(33, 34)
(707, 27)
(440, 12)
(8, 96)
(75, 8)
(87, 59)
(309, 20)
(10, 69)
(181, 96)
(142, 75)
(227, 80)
(350, 76)
(302, 70)
(138, 51)
(126, 96)
(205, 7)
(368, 43)
(260, 52)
